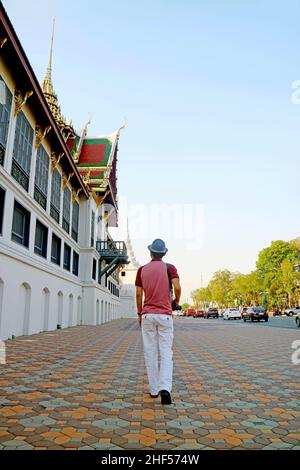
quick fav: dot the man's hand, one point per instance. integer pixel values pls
(139, 320)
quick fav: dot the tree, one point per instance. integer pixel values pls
(295, 243)
(248, 287)
(269, 269)
(288, 279)
(270, 259)
(220, 288)
(201, 297)
(276, 280)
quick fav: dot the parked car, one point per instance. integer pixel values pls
(243, 310)
(190, 312)
(199, 314)
(256, 314)
(232, 314)
(292, 311)
(212, 313)
(297, 319)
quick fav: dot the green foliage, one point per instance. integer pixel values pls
(201, 297)
(288, 280)
(270, 259)
(248, 287)
(220, 288)
(275, 281)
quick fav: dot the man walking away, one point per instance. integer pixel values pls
(154, 280)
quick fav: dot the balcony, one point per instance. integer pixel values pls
(114, 253)
(110, 249)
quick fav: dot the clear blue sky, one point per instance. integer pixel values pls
(206, 90)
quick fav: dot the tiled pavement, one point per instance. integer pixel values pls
(85, 388)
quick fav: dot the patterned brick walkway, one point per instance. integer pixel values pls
(85, 388)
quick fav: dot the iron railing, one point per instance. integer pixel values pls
(111, 249)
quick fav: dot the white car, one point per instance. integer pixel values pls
(232, 313)
(292, 311)
(297, 319)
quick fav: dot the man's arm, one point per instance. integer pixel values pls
(177, 289)
(139, 303)
(139, 299)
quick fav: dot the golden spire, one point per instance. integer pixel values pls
(47, 83)
(51, 97)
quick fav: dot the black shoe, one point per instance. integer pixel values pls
(153, 396)
(165, 397)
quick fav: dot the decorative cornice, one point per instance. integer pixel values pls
(20, 100)
(92, 168)
(40, 134)
(55, 159)
(99, 199)
(75, 195)
(3, 40)
(86, 178)
(66, 178)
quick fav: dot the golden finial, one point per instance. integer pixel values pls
(47, 83)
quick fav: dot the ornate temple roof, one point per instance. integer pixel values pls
(95, 157)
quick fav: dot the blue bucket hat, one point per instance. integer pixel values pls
(158, 246)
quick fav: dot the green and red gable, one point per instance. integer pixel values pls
(95, 152)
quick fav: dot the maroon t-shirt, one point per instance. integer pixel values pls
(153, 278)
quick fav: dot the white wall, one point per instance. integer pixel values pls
(32, 300)
(128, 301)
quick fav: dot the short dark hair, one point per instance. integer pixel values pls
(157, 255)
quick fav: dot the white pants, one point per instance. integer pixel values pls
(157, 331)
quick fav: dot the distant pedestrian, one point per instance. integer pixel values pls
(154, 280)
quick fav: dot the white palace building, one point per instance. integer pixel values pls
(59, 266)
